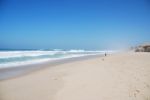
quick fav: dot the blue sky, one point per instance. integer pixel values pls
(73, 24)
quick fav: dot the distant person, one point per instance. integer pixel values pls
(105, 54)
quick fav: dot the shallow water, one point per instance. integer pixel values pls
(24, 57)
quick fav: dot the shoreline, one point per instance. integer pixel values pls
(121, 76)
(18, 71)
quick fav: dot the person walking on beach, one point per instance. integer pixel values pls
(105, 54)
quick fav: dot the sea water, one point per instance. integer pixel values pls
(16, 58)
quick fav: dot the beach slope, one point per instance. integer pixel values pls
(123, 76)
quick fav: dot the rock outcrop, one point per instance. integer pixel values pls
(143, 48)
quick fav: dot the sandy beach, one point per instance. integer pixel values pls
(124, 76)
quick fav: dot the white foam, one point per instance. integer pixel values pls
(66, 54)
(18, 64)
(7, 54)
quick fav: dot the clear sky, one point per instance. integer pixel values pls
(73, 24)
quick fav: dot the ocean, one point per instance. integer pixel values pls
(16, 58)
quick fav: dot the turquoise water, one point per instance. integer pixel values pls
(16, 58)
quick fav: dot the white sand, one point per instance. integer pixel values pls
(116, 77)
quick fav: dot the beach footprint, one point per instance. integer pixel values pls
(133, 92)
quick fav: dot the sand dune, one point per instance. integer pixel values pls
(115, 77)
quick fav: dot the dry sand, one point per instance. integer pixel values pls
(115, 77)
